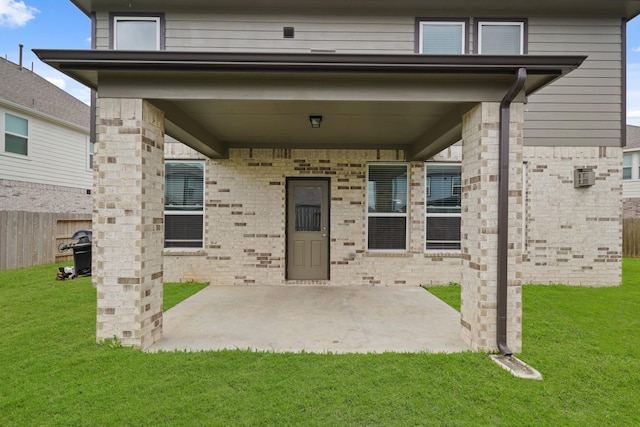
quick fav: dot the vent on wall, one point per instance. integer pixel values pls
(584, 177)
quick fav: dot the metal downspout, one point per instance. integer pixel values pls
(503, 210)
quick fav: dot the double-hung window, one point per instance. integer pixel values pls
(16, 134)
(183, 204)
(443, 213)
(501, 37)
(387, 201)
(442, 37)
(627, 165)
(137, 32)
(90, 150)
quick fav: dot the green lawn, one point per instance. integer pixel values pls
(585, 342)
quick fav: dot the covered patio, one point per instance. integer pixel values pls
(414, 105)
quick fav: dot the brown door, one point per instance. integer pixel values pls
(307, 229)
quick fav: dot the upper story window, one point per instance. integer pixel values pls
(501, 37)
(16, 134)
(387, 201)
(442, 37)
(137, 32)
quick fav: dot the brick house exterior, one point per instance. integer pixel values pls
(318, 141)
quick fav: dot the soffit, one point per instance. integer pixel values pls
(214, 101)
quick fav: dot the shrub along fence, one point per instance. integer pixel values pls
(32, 238)
(631, 237)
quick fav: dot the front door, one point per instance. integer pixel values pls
(307, 229)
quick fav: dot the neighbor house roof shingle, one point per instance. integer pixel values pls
(633, 137)
(23, 87)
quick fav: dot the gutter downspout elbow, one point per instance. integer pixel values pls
(503, 211)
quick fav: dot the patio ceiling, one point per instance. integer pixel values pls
(216, 101)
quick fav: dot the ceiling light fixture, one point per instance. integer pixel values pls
(315, 121)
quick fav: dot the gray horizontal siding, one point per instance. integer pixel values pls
(349, 34)
(583, 108)
(264, 33)
(102, 31)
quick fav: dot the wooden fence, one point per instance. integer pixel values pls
(32, 238)
(631, 237)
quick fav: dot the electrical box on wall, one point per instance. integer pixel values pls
(584, 177)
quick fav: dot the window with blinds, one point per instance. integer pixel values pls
(443, 212)
(501, 38)
(442, 37)
(184, 204)
(387, 201)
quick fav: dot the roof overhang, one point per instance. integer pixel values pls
(222, 100)
(494, 8)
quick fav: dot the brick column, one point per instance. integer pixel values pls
(480, 143)
(128, 221)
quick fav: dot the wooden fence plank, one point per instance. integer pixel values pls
(4, 218)
(631, 237)
(31, 238)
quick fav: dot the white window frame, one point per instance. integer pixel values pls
(486, 23)
(122, 18)
(91, 146)
(456, 187)
(441, 215)
(3, 126)
(200, 212)
(629, 156)
(634, 167)
(404, 214)
(463, 29)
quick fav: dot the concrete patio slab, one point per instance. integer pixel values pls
(312, 319)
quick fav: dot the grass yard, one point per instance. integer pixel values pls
(585, 342)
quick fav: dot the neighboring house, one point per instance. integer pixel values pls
(322, 151)
(45, 150)
(46, 177)
(631, 174)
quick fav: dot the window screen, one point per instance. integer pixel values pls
(16, 136)
(501, 38)
(627, 163)
(184, 207)
(442, 38)
(387, 200)
(136, 33)
(91, 149)
(443, 213)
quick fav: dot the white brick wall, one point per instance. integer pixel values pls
(554, 251)
(573, 235)
(480, 177)
(128, 222)
(245, 223)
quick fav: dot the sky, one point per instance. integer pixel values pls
(58, 24)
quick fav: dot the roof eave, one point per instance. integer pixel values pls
(76, 63)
